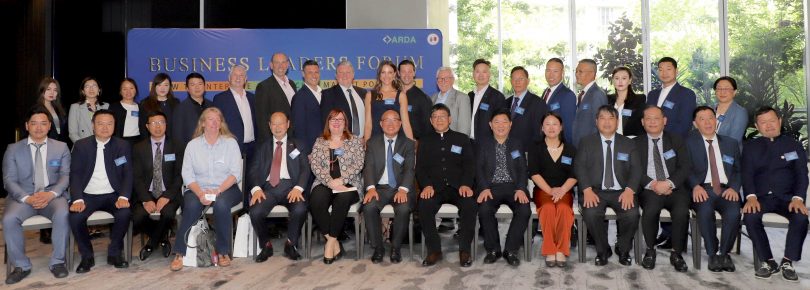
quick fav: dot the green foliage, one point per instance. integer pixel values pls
(624, 41)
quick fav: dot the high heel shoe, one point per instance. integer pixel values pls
(340, 251)
(326, 246)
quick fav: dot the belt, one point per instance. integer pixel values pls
(722, 185)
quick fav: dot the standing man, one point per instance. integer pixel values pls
(527, 110)
(484, 99)
(236, 105)
(35, 174)
(559, 98)
(456, 101)
(419, 103)
(347, 97)
(775, 181)
(590, 98)
(187, 113)
(677, 101)
(274, 94)
(306, 108)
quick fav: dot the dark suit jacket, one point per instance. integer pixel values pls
(486, 164)
(270, 98)
(494, 101)
(590, 162)
(438, 166)
(120, 115)
(298, 167)
(226, 103)
(526, 126)
(728, 147)
(419, 106)
(376, 150)
(83, 161)
(335, 98)
(185, 119)
(143, 165)
(634, 105)
(144, 113)
(678, 167)
(563, 101)
(307, 124)
(585, 118)
(679, 113)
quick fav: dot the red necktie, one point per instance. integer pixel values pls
(546, 95)
(275, 169)
(579, 97)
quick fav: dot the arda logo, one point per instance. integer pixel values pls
(404, 39)
(433, 39)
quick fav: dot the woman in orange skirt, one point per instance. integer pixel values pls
(551, 170)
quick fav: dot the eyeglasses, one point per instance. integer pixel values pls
(442, 117)
(724, 89)
(337, 120)
(155, 123)
(444, 79)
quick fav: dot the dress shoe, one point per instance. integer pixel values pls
(266, 253)
(766, 269)
(491, 257)
(117, 261)
(728, 265)
(432, 259)
(291, 252)
(85, 265)
(377, 257)
(677, 261)
(666, 245)
(551, 261)
(166, 248)
(396, 256)
(715, 263)
(601, 260)
(59, 271)
(224, 261)
(342, 251)
(146, 251)
(177, 263)
(464, 259)
(624, 259)
(649, 259)
(17, 275)
(511, 258)
(788, 272)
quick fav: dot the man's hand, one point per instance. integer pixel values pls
(149, 206)
(295, 195)
(203, 200)
(427, 192)
(77, 206)
(521, 197)
(484, 195)
(590, 199)
(626, 198)
(401, 196)
(731, 194)
(465, 191)
(121, 203)
(751, 205)
(699, 194)
(371, 194)
(797, 205)
(257, 197)
(161, 202)
(662, 187)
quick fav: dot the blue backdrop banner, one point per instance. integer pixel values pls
(212, 52)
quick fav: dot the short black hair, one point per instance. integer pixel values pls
(588, 61)
(555, 59)
(405, 62)
(386, 111)
(669, 60)
(501, 111)
(156, 113)
(194, 75)
(310, 62)
(102, 112)
(481, 61)
(702, 108)
(650, 107)
(607, 109)
(519, 68)
(726, 78)
(764, 110)
(38, 110)
(441, 107)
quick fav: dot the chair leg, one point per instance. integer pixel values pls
(410, 235)
(308, 240)
(739, 240)
(696, 246)
(358, 243)
(583, 234)
(526, 241)
(361, 242)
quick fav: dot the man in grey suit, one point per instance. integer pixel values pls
(35, 174)
(273, 94)
(589, 99)
(457, 102)
(608, 169)
(389, 173)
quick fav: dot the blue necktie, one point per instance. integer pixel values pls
(389, 164)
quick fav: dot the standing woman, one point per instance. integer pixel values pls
(80, 123)
(212, 166)
(49, 93)
(551, 170)
(732, 119)
(383, 97)
(161, 98)
(336, 160)
(127, 113)
(629, 104)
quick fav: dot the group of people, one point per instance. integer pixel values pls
(325, 150)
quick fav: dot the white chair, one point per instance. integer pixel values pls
(609, 215)
(280, 211)
(105, 218)
(697, 243)
(36, 223)
(450, 211)
(388, 212)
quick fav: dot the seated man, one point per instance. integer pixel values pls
(278, 175)
(501, 179)
(775, 181)
(388, 176)
(100, 179)
(157, 166)
(35, 174)
(715, 183)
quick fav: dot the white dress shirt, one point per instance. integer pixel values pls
(616, 185)
(99, 181)
(664, 94)
(247, 117)
(285, 86)
(384, 177)
(476, 101)
(718, 158)
(284, 173)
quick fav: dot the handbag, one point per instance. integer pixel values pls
(200, 238)
(242, 244)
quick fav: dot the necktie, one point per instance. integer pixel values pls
(713, 167)
(39, 172)
(355, 117)
(546, 95)
(275, 169)
(514, 106)
(608, 166)
(657, 163)
(389, 164)
(579, 97)
(157, 171)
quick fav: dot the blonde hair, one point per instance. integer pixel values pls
(223, 128)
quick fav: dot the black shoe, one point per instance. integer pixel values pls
(59, 271)
(342, 251)
(45, 236)
(146, 251)
(396, 256)
(715, 263)
(511, 258)
(291, 252)
(443, 228)
(464, 259)
(85, 265)
(491, 257)
(649, 259)
(600, 260)
(624, 259)
(661, 239)
(166, 248)
(117, 261)
(666, 245)
(266, 253)
(17, 275)
(766, 269)
(677, 261)
(432, 259)
(377, 257)
(728, 265)
(788, 272)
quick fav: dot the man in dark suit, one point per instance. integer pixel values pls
(388, 175)
(590, 98)
(157, 165)
(274, 94)
(526, 110)
(306, 108)
(445, 167)
(715, 183)
(501, 179)
(236, 105)
(666, 165)
(279, 175)
(775, 181)
(100, 179)
(419, 103)
(677, 101)
(559, 98)
(347, 97)
(186, 115)
(484, 100)
(608, 170)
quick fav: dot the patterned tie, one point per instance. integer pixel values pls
(275, 169)
(389, 165)
(713, 166)
(157, 172)
(579, 97)
(355, 117)
(659, 166)
(39, 172)
(514, 106)
(546, 95)
(609, 166)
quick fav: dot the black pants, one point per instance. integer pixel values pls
(503, 194)
(797, 229)
(278, 196)
(102, 202)
(677, 204)
(320, 200)
(626, 222)
(729, 212)
(156, 230)
(467, 211)
(371, 216)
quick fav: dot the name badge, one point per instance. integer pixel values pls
(515, 154)
(410, 108)
(586, 106)
(668, 104)
(483, 107)
(669, 154)
(728, 159)
(721, 118)
(120, 160)
(398, 158)
(566, 160)
(622, 156)
(55, 163)
(339, 151)
(211, 197)
(790, 156)
(519, 110)
(389, 101)
(295, 153)
(627, 112)
(555, 106)
(169, 157)
(455, 149)
(134, 113)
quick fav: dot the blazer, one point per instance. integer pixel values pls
(270, 98)
(492, 101)
(117, 163)
(585, 119)
(186, 117)
(516, 163)
(590, 162)
(351, 162)
(678, 108)
(460, 111)
(335, 98)
(120, 114)
(419, 107)
(678, 165)
(307, 124)
(80, 123)
(444, 161)
(733, 123)
(18, 169)
(297, 164)
(563, 101)
(227, 104)
(700, 160)
(775, 167)
(171, 168)
(526, 126)
(376, 155)
(631, 113)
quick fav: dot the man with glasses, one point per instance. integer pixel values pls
(457, 102)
